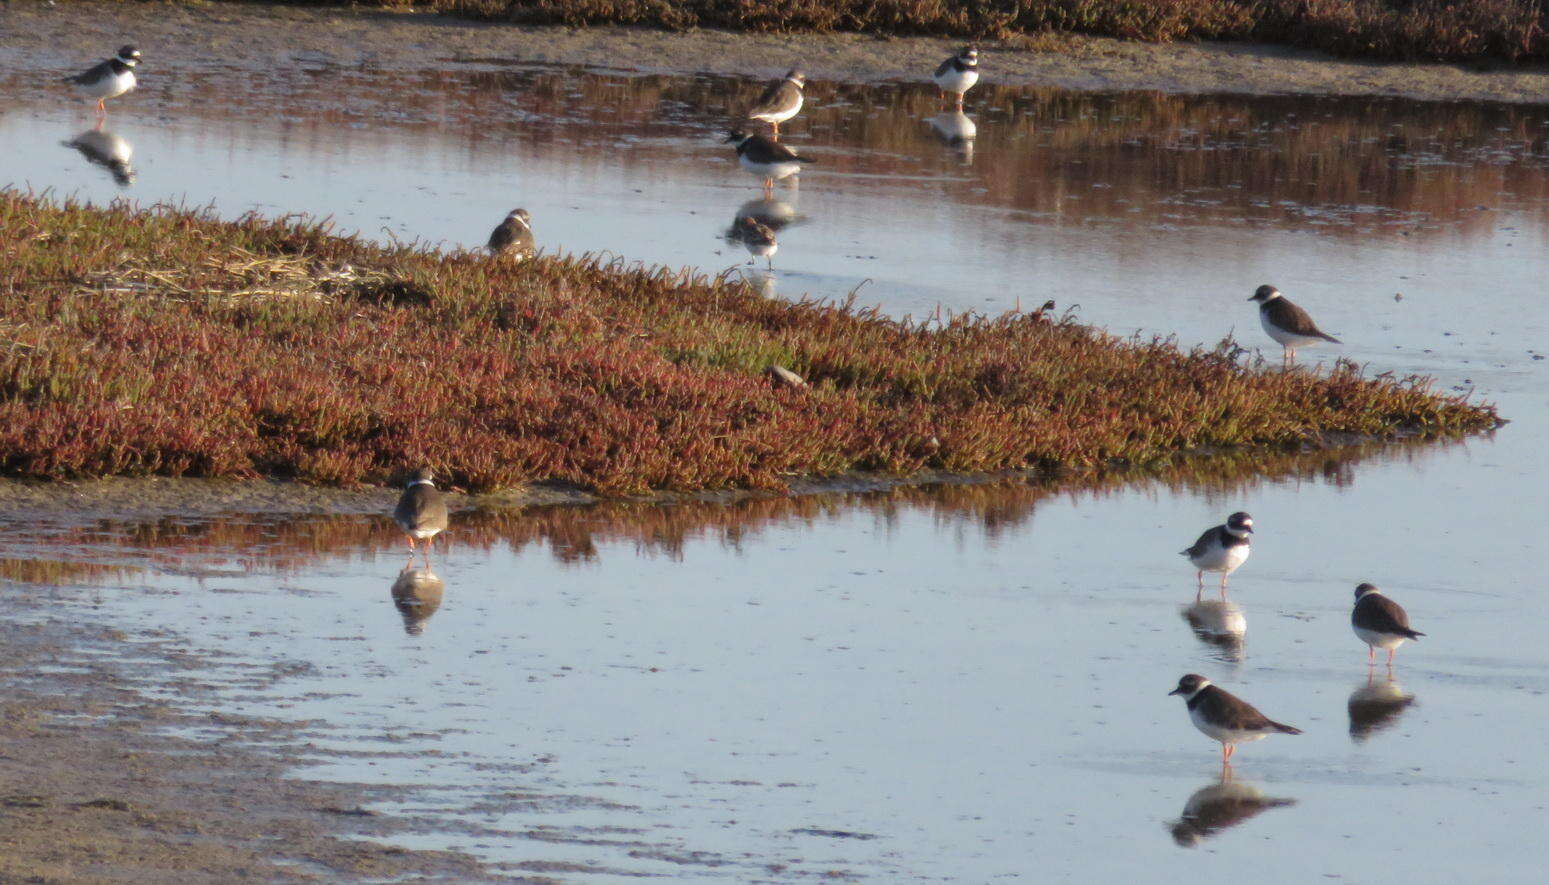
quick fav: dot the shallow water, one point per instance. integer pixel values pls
(951, 684)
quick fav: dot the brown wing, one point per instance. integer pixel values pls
(421, 507)
(941, 69)
(1198, 547)
(512, 236)
(1377, 612)
(1226, 708)
(502, 235)
(1292, 318)
(777, 97)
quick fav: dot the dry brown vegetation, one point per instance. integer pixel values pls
(1446, 30)
(168, 342)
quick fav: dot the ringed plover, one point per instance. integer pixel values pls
(513, 236)
(421, 513)
(767, 159)
(780, 102)
(1223, 548)
(1224, 717)
(757, 237)
(1379, 622)
(958, 74)
(1289, 325)
(108, 79)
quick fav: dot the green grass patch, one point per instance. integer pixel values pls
(167, 342)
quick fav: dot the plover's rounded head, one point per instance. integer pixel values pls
(521, 215)
(737, 136)
(422, 475)
(1363, 588)
(797, 76)
(969, 54)
(1240, 522)
(1264, 293)
(128, 55)
(1190, 684)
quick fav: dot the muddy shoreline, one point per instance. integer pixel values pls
(103, 782)
(179, 36)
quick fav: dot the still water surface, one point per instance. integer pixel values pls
(951, 684)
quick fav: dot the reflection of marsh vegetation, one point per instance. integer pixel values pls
(170, 343)
(1345, 166)
(578, 534)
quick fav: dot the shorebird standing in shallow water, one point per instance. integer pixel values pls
(513, 237)
(108, 79)
(1222, 548)
(1379, 622)
(767, 159)
(1289, 325)
(1224, 717)
(421, 513)
(958, 74)
(757, 238)
(780, 102)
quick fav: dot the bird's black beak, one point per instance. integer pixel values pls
(1253, 297)
(1175, 691)
(1248, 529)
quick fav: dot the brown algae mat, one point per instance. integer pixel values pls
(166, 342)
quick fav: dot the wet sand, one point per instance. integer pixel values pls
(65, 36)
(99, 784)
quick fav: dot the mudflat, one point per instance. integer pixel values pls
(70, 34)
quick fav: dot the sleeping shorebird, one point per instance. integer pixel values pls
(1289, 325)
(513, 237)
(421, 513)
(780, 102)
(767, 159)
(108, 79)
(958, 74)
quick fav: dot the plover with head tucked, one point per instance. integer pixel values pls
(421, 513)
(1224, 717)
(108, 79)
(958, 74)
(1289, 325)
(767, 159)
(1223, 548)
(1379, 622)
(780, 102)
(513, 237)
